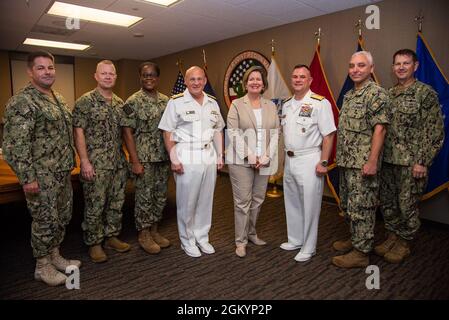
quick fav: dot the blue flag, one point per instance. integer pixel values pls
(429, 72)
(208, 89)
(179, 86)
(349, 84)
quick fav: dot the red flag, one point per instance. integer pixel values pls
(321, 86)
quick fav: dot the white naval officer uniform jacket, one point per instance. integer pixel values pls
(193, 127)
(304, 124)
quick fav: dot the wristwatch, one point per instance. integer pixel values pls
(324, 163)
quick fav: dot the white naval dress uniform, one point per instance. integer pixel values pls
(193, 127)
(304, 125)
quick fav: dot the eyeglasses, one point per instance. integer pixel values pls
(149, 75)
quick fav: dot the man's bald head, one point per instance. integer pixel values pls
(195, 80)
(193, 69)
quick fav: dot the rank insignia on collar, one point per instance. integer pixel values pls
(128, 110)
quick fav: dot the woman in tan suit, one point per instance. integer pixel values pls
(253, 126)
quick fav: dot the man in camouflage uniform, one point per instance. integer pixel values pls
(142, 113)
(38, 145)
(361, 134)
(98, 140)
(415, 136)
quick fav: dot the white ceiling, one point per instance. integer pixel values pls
(188, 24)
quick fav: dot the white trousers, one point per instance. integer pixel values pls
(303, 191)
(195, 195)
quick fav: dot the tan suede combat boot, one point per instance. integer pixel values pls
(160, 240)
(116, 244)
(399, 252)
(147, 243)
(343, 245)
(353, 259)
(61, 263)
(47, 272)
(386, 246)
(97, 254)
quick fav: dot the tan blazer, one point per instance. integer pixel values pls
(242, 133)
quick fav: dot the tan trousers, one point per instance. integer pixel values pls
(248, 189)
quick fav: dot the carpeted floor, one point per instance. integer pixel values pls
(267, 272)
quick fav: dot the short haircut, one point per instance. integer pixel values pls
(36, 54)
(149, 64)
(367, 55)
(106, 62)
(299, 66)
(262, 72)
(406, 52)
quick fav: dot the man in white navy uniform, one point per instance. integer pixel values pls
(193, 137)
(308, 126)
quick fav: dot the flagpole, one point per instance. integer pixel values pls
(358, 25)
(179, 65)
(419, 19)
(204, 60)
(318, 35)
(273, 191)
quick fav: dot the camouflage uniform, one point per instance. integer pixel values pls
(362, 110)
(38, 145)
(415, 136)
(143, 113)
(105, 194)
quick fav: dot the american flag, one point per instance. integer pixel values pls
(179, 86)
(239, 71)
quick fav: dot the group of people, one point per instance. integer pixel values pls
(386, 143)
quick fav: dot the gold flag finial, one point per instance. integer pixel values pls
(358, 25)
(179, 64)
(419, 19)
(204, 60)
(318, 35)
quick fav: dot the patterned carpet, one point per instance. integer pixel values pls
(267, 272)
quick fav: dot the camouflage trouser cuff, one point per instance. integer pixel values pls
(364, 250)
(141, 227)
(112, 234)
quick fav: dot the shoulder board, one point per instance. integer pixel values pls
(176, 96)
(211, 96)
(317, 97)
(286, 100)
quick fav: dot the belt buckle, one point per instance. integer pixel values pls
(290, 153)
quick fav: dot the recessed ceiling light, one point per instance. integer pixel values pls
(55, 44)
(165, 3)
(90, 14)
